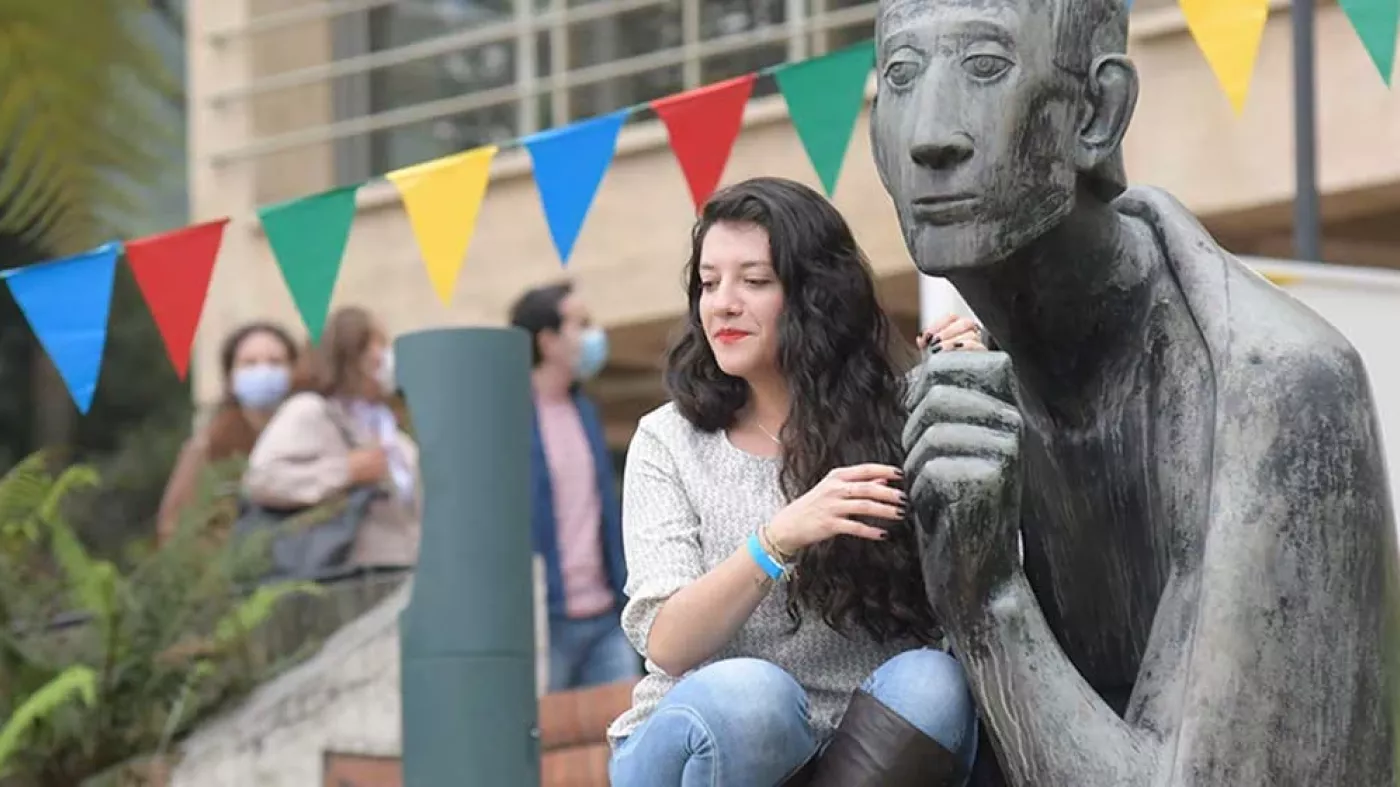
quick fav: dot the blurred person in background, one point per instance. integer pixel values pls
(577, 520)
(256, 363)
(338, 432)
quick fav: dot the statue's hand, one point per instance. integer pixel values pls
(963, 448)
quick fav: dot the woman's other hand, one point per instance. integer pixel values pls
(952, 332)
(829, 509)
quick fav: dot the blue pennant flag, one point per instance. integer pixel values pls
(67, 302)
(569, 164)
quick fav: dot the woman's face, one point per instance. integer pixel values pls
(741, 299)
(377, 366)
(261, 373)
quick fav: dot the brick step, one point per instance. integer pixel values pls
(573, 738)
(574, 718)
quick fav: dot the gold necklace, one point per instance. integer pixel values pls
(767, 433)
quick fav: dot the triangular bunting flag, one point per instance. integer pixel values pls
(308, 237)
(1228, 33)
(569, 164)
(1377, 22)
(824, 97)
(66, 302)
(442, 199)
(703, 125)
(173, 271)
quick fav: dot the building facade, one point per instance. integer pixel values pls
(291, 97)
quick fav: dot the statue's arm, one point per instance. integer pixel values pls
(1286, 679)
(1050, 727)
(1266, 664)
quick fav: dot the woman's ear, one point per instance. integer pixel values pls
(1110, 95)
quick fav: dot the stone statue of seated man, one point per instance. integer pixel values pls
(1190, 457)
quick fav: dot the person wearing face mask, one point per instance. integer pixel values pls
(337, 432)
(255, 361)
(577, 520)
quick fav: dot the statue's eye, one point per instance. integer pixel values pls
(901, 73)
(986, 67)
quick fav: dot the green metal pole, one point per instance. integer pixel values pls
(467, 636)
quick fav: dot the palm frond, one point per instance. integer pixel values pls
(75, 111)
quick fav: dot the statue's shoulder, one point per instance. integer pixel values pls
(1274, 330)
(1248, 322)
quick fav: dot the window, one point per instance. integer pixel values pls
(497, 76)
(632, 35)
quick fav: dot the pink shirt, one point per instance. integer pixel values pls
(578, 513)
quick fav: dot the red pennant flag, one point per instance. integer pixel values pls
(703, 124)
(173, 271)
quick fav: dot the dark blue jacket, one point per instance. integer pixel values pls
(543, 529)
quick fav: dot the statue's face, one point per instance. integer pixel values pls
(974, 128)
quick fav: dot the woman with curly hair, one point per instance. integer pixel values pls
(773, 580)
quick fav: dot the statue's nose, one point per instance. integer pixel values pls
(942, 151)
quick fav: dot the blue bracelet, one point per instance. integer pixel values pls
(765, 561)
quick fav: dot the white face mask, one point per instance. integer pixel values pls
(384, 375)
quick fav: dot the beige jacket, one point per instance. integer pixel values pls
(302, 460)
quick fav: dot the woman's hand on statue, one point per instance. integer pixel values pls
(952, 332)
(830, 508)
(368, 465)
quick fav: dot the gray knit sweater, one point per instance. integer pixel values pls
(689, 500)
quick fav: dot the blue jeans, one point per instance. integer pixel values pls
(588, 652)
(743, 722)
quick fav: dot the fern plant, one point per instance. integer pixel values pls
(100, 663)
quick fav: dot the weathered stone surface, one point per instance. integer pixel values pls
(346, 698)
(1191, 457)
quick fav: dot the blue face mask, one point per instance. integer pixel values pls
(592, 354)
(261, 387)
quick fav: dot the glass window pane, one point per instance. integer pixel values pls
(720, 18)
(449, 75)
(844, 35)
(611, 39)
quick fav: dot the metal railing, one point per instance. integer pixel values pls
(806, 30)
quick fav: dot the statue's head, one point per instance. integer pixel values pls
(991, 115)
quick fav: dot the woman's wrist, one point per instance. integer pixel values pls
(773, 545)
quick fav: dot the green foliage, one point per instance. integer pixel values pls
(78, 118)
(76, 681)
(165, 639)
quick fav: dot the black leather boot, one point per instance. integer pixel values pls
(875, 747)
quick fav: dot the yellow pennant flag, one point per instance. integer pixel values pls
(1228, 33)
(442, 198)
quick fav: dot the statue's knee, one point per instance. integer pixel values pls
(746, 697)
(929, 689)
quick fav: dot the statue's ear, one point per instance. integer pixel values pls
(1111, 91)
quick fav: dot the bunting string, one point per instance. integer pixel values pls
(67, 301)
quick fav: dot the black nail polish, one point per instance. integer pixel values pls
(884, 536)
(935, 346)
(958, 346)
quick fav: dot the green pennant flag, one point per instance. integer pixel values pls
(307, 237)
(824, 96)
(1376, 23)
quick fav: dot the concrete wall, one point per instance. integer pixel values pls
(346, 699)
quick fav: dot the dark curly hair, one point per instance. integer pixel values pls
(847, 399)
